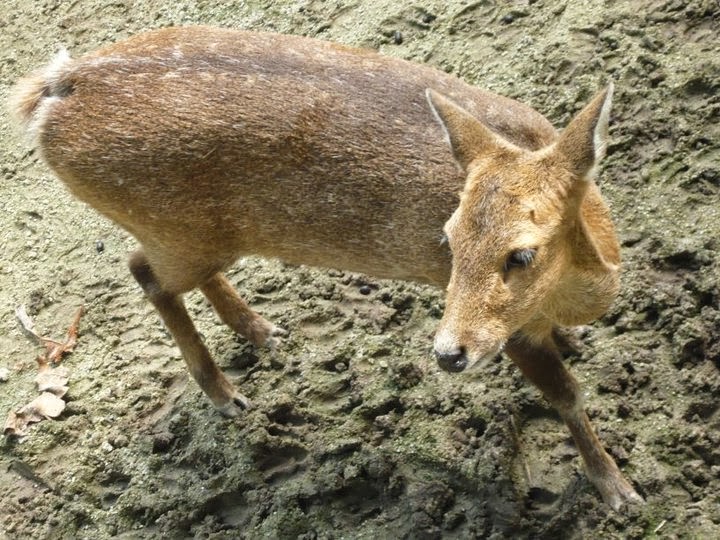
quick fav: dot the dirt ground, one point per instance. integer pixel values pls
(356, 433)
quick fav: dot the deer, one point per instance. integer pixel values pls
(210, 144)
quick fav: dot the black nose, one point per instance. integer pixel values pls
(453, 362)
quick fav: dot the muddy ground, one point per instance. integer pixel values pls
(355, 431)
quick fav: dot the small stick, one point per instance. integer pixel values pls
(521, 453)
(27, 323)
(54, 350)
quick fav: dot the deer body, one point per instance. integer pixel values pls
(211, 144)
(268, 142)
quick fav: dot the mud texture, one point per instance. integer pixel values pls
(355, 431)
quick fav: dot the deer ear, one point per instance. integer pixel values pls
(584, 140)
(468, 137)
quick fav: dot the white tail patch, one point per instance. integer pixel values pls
(33, 96)
(57, 65)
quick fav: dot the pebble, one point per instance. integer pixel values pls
(4, 374)
(365, 289)
(106, 447)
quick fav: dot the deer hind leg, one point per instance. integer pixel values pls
(543, 366)
(202, 367)
(235, 313)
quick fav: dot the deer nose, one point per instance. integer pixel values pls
(454, 361)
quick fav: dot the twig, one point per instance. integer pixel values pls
(24, 470)
(54, 350)
(27, 323)
(521, 453)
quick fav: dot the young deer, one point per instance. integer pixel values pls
(210, 144)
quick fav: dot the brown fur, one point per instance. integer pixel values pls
(211, 144)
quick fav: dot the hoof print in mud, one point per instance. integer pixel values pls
(406, 375)
(278, 457)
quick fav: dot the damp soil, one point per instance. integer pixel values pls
(355, 432)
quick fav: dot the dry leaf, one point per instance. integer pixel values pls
(12, 426)
(53, 380)
(46, 405)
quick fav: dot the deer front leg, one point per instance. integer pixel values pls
(240, 317)
(543, 366)
(199, 362)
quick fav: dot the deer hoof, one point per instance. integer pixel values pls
(617, 492)
(236, 406)
(275, 338)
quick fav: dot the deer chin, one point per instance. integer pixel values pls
(473, 351)
(479, 360)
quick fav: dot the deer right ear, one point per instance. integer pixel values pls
(468, 137)
(584, 140)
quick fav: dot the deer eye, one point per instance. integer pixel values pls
(520, 258)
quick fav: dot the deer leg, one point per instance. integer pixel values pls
(543, 366)
(566, 342)
(235, 313)
(199, 362)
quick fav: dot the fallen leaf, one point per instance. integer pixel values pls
(54, 381)
(13, 426)
(46, 405)
(51, 381)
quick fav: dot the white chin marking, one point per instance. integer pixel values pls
(445, 342)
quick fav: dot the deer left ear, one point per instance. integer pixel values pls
(468, 137)
(584, 140)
